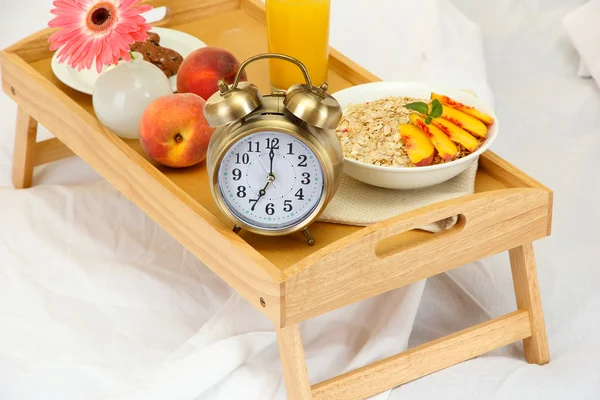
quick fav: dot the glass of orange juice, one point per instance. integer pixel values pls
(300, 29)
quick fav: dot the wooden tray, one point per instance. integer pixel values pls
(284, 278)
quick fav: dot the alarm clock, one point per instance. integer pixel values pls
(274, 162)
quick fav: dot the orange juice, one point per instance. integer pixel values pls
(298, 28)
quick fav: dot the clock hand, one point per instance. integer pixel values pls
(263, 168)
(261, 193)
(271, 157)
(270, 179)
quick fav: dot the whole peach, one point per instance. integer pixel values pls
(174, 132)
(203, 68)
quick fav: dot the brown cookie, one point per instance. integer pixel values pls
(166, 59)
(154, 37)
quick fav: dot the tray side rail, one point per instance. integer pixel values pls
(504, 171)
(244, 269)
(184, 11)
(425, 359)
(394, 253)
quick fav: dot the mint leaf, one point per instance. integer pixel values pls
(419, 107)
(436, 109)
(428, 120)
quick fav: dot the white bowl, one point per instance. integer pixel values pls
(413, 177)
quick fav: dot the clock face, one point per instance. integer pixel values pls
(270, 180)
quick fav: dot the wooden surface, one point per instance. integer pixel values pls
(291, 353)
(360, 266)
(24, 150)
(51, 150)
(245, 35)
(236, 31)
(503, 171)
(34, 47)
(283, 277)
(425, 359)
(527, 291)
(185, 11)
(180, 198)
(186, 220)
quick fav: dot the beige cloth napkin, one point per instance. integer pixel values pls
(356, 203)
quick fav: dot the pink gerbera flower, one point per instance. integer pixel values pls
(97, 30)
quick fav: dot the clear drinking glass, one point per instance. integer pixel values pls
(300, 29)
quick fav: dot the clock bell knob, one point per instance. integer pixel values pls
(228, 105)
(222, 86)
(313, 105)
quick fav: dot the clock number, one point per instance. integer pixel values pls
(255, 201)
(273, 143)
(257, 147)
(270, 209)
(241, 191)
(302, 159)
(306, 179)
(300, 194)
(244, 159)
(287, 206)
(291, 149)
(237, 174)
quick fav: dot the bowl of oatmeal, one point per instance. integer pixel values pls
(376, 153)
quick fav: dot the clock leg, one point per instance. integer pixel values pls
(237, 229)
(308, 236)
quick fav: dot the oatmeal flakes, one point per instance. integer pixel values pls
(369, 133)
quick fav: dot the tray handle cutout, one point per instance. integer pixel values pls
(414, 237)
(398, 242)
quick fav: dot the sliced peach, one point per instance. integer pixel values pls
(457, 134)
(465, 121)
(419, 147)
(483, 117)
(446, 149)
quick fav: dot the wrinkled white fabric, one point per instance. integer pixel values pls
(583, 70)
(98, 302)
(583, 29)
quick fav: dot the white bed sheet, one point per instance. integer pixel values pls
(96, 301)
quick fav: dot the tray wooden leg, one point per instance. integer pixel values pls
(24, 150)
(293, 361)
(522, 261)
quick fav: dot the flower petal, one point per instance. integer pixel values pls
(105, 54)
(125, 4)
(124, 27)
(142, 8)
(82, 56)
(65, 52)
(63, 21)
(139, 37)
(98, 65)
(89, 62)
(79, 48)
(132, 12)
(72, 4)
(82, 46)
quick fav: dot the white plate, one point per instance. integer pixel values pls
(413, 177)
(83, 81)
